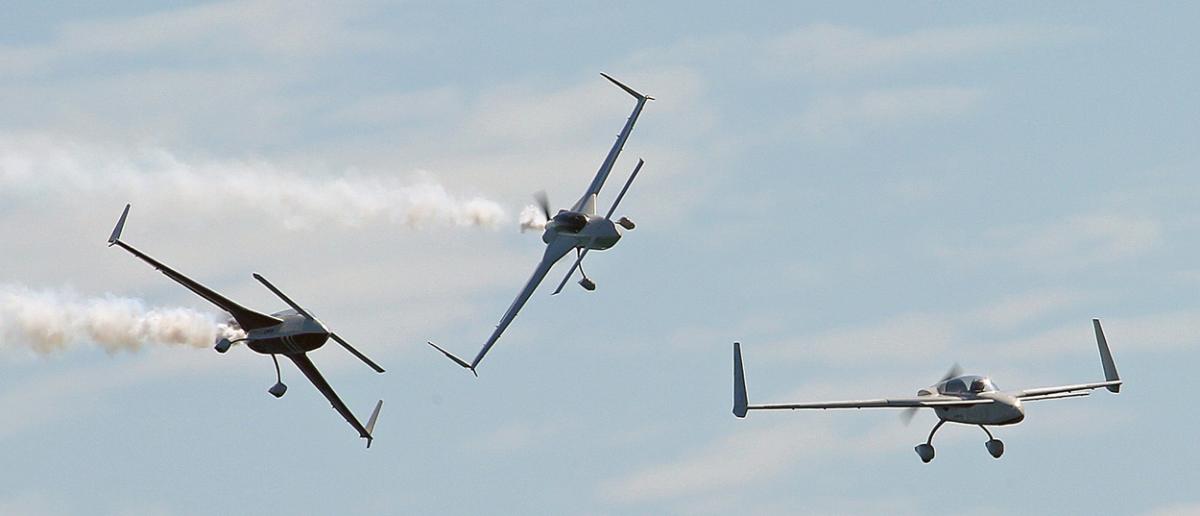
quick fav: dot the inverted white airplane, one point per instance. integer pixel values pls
(957, 398)
(291, 333)
(578, 228)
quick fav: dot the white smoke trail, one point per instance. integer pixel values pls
(532, 219)
(49, 321)
(43, 165)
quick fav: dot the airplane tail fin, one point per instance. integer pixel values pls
(1110, 368)
(116, 234)
(740, 401)
(456, 360)
(371, 423)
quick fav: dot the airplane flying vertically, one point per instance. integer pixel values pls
(957, 398)
(291, 333)
(579, 229)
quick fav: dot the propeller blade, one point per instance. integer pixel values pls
(907, 415)
(955, 370)
(543, 202)
(355, 352)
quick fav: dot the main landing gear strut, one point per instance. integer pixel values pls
(586, 283)
(279, 388)
(925, 450)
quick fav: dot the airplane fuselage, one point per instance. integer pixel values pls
(297, 334)
(1004, 410)
(598, 233)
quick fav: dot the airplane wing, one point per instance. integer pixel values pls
(1046, 392)
(587, 203)
(306, 366)
(248, 319)
(1058, 396)
(1112, 380)
(924, 401)
(741, 404)
(554, 252)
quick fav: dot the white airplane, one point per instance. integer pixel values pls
(578, 228)
(291, 333)
(957, 398)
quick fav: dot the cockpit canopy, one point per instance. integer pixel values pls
(967, 384)
(570, 221)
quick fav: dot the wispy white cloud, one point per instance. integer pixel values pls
(747, 456)
(80, 391)
(922, 336)
(838, 117)
(217, 31)
(519, 435)
(824, 49)
(33, 504)
(1075, 242)
(1175, 509)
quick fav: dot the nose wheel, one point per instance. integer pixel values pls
(279, 388)
(626, 223)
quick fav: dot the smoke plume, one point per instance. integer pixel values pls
(47, 166)
(48, 321)
(532, 219)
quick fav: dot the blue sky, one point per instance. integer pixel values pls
(863, 195)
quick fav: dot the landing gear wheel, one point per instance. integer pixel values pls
(587, 284)
(925, 451)
(223, 345)
(279, 388)
(995, 447)
(626, 223)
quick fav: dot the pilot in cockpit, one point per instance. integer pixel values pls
(982, 384)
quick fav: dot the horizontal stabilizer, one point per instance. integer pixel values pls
(456, 360)
(279, 293)
(116, 234)
(356, 353)
(626, 88)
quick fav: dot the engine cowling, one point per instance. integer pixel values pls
(570, 221)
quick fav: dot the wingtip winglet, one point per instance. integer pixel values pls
(1106, 359)
(371, 423)
(740, 401)
(116, 233)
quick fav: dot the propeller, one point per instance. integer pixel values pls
(543, 202)
(955, 370)
(907, 414)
